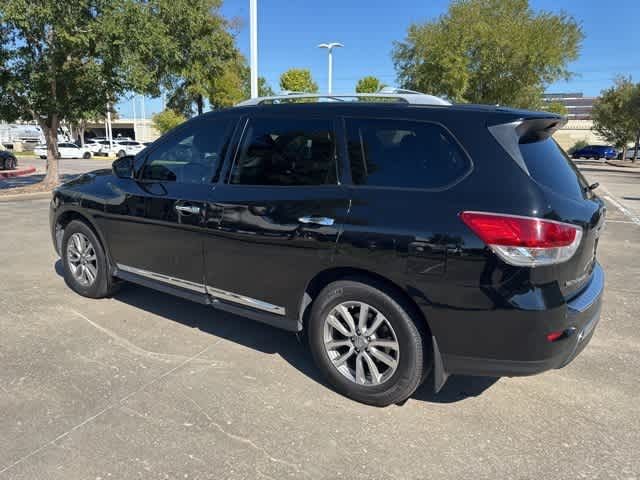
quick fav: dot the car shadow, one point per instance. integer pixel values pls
(270, 340)
(27, 180)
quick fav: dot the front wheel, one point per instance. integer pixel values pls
(366, 343)
(86, 269)
(86, 155)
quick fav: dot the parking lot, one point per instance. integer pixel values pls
(144, 385)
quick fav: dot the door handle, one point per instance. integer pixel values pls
(187, 209)
(326, 221)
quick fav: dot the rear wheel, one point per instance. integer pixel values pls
(121, 154)
(86, 155)
(86, 269)
(366, 343)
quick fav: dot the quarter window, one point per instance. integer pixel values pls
(403, 153)
(286, 152)
(192, 155)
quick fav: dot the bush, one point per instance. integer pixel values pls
(577, 146)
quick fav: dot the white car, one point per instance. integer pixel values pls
(129, 147)
(93, 144)
(65, 150)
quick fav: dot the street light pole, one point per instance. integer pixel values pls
(253, 41)
(330, 47)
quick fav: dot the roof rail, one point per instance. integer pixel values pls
(399, 95)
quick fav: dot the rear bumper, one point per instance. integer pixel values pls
(582, 316)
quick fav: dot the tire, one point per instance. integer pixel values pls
(86, 155)
(43, 157)
(413, 357)
(121, 154)
(103, 284)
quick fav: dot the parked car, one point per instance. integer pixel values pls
(596, 152)
(128, 147)
(8, 160)
(402, 237)
(93, 145)
(65, 150)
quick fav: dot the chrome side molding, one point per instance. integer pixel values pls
(176, 282)
(205, 289)
(246, 301)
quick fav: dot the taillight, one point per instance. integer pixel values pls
(525, 241)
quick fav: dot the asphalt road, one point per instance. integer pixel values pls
(144, 385)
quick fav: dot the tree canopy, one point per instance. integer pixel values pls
(489, 51)
(60, 59)
(199, 54)
(64, 60)
(167, 120)
(298, 80)
(616, 114)
(368, 84)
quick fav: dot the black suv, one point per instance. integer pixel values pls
(402, 238)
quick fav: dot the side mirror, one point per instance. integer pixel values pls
(123, 167)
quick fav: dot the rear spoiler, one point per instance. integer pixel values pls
(526, 130)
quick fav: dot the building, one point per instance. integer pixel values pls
(579, 127)
(578, 106)
(138, 129)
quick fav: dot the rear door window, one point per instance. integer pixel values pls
(404, 154)
(549, 165)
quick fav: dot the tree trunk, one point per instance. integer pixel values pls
(81, 129)
(50, 129)
(200, 104)
(635, 153)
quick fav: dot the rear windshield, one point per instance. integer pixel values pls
(550, 166)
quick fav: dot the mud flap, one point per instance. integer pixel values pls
(439, 374)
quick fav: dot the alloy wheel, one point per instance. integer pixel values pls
(361, 343)
(82, 259)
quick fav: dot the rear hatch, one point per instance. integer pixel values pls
(569, 197)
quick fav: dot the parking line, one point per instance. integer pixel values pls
(634, 218)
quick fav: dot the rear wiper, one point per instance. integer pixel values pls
(591, 187)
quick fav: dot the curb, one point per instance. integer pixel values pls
(25, 196)
(633, 166)
(16, 173)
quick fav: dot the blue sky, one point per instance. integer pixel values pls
(289, 32)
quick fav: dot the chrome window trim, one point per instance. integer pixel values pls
(201, 288)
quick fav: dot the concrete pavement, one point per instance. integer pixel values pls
(144, 385)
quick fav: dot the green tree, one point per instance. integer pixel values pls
(234, 85)
(298, 80)
(616, 114)
(167, 120)
(59, 59)
(369, 84)
(201, 51)
(488, 51)
(264, 89)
